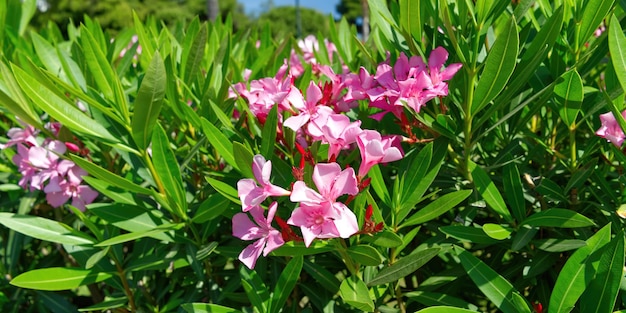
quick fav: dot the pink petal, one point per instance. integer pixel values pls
(324, 175)
(273, 241)
(301, 193)
(251, 253)
(244, 228)
(437, 58)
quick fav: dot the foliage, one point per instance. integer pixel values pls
(505, 199)
(282, 21)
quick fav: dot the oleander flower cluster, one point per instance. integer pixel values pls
(320, 115)
(41, 163)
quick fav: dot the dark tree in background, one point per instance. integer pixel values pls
(116, 14)
(212, 9)
(282, 21)
(356, 12)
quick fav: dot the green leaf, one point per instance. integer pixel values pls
(286, 282)
(602, 292)
(292, 248)
(524, 235)
(108, 303)
(404, 266)
(219, 141)
(148, 102)
(514, 191)
(256, 290)
(323, 276)
(499, 66)
(468, 233)
(207, 308)
(578, 272)
(193, 56)
(551, 190)
(168, 172)
(385, 238)
(244, 159)
(496, 231)
(489, 191)
(568, 94)
(617, 48)
(269, 133)
(444, 309)
(378, 183)
(434, 209)
(102, 73)
(60, 108)
(410, 17)
(211, 208)
(558, 218)
(44, 229)
(434, 299)
(594, 12)
(354, 292)
(495, 287)
(109, 177)
(58, 278)
(559, 245)
(365, 255)
(138, 234)
(224, 189)
(131, 218)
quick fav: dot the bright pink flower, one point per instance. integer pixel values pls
(376, 149)
(610, 129)
(24, 135)
(319, 214)
(268, 237)
(305, 108)
(59, 190)
(438, 76)
(252, 195)
(333, 129)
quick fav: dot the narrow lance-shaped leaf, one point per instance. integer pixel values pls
(514, 191)
(168, 171)
(219, 141)
(489, 192)
(577, 273)
(44, 229)
(617, 49)
(498, 68)
(194, 54)
(354, 292)
(148, 102)
(500, 291)
(58, 278)
(558, 218)
(568, 94)
(286, 282)
(440, 206)
(594, 12)
(269, 133)
(60, 108)
(207, 308)
(404, 266)
(107, 176)
(601, 294)
(410, 17)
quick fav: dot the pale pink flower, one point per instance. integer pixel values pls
(24, 135)
(376, 149)
(319, 215)
(334, 129)
(305, 108)
(268, 238)
(610, 129)
(250, 193)
(59, 190)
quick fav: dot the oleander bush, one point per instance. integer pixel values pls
(466, 157)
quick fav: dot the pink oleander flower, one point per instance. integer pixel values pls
(250, 193)
(38, 164)
(24, 135)
(309, 45)
(306, 109)
(333, 129)
(610, 129)
(268, 237)
(59, 190)
(377, 149)
(319, 215)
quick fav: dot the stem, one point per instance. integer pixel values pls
(467, 129)
(572, 141)
(342, 249)
(127, 291)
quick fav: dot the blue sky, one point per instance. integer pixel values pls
(255, 7)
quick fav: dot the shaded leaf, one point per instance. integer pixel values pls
(403, 266)
(354, 292)
(558, 218)
(148, 103)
